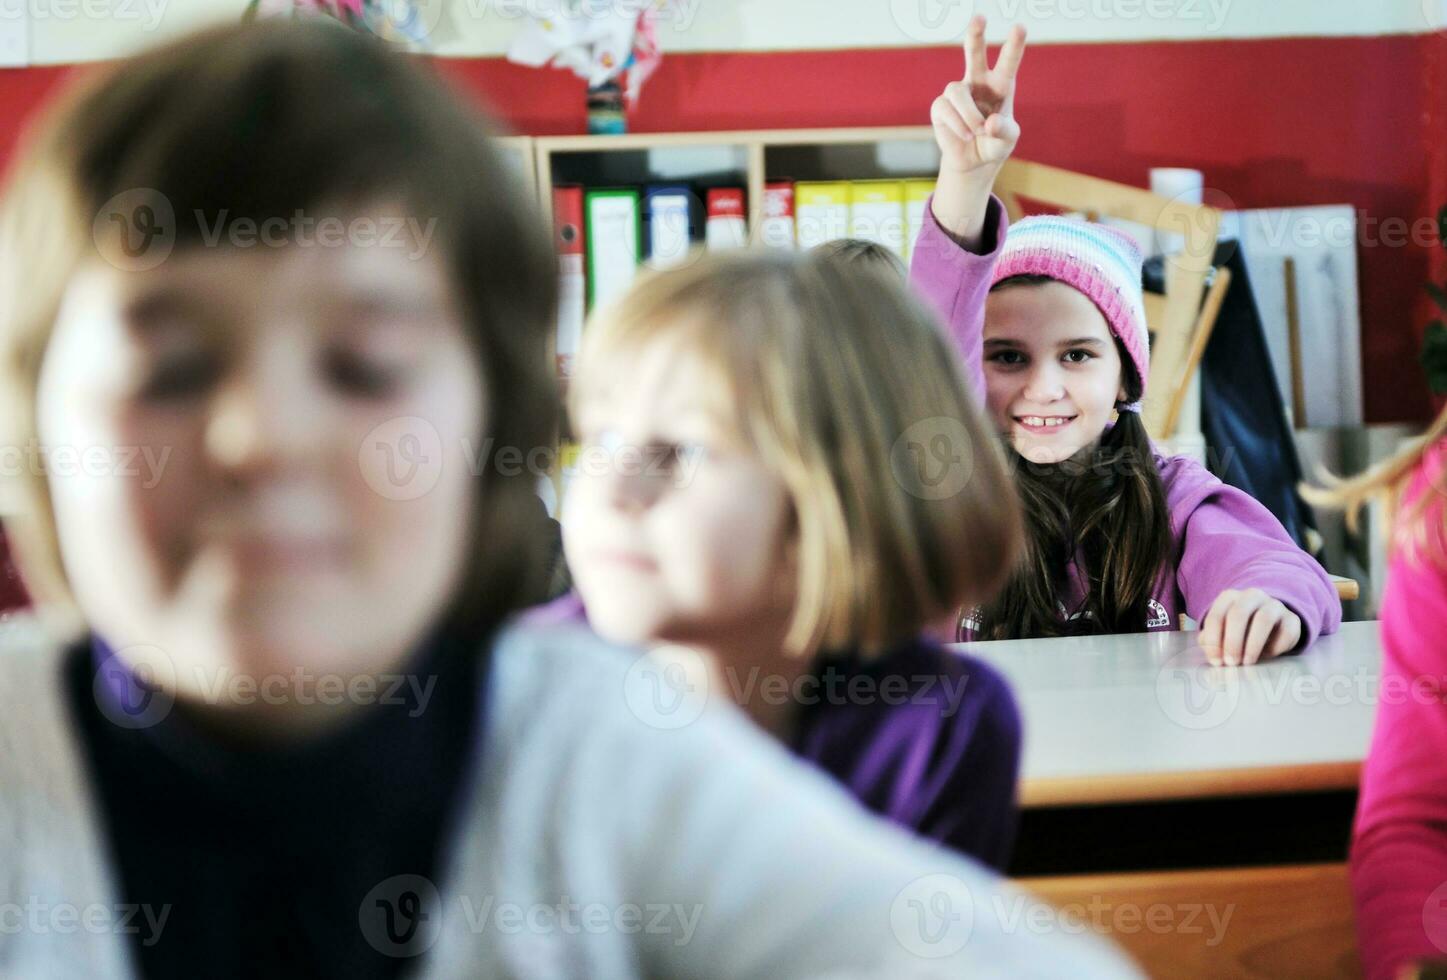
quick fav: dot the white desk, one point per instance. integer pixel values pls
(1142, 717)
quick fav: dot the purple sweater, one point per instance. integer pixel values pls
(1225, 538)
(926, 737)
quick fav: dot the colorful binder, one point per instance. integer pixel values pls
(728, 225)
(670, 224)
(821, 210)
(876, 213)
(614, 241)
(776, 228)
(572, 281)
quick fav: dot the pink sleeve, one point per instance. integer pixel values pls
(1399, 845)
(1229, 540)
(955, 283)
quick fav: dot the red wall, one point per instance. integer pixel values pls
(1435, 116)
(1272, 122)
(21, 89)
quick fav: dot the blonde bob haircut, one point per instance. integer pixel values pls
(842, 383)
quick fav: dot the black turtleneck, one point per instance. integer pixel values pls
(281, 858)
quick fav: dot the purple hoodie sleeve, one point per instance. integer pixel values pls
(955, 283)
(1229, 540)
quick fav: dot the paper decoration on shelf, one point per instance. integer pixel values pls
(408, 23)
(598, 44)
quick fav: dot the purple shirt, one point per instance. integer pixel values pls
(927, 737)
(1225, 538)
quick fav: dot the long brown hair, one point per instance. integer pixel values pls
(1106, 507)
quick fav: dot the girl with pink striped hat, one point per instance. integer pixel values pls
(1049, 320)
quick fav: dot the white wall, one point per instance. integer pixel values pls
(14, 42)
(62, 31)
(68, 31)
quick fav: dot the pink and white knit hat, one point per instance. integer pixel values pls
(1101, 262)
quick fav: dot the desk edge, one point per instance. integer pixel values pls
(1154, 787)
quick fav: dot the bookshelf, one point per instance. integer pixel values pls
(743, 158)
(751, 158)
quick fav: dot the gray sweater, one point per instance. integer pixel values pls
(621, 824)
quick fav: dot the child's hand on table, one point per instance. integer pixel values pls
(1247, 625)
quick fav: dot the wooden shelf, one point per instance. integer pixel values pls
(753, 143)
(762, 137)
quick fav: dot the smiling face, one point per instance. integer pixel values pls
(260, 539)
(674, 530)
(1053, 372)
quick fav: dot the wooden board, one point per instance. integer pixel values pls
(1274, 922)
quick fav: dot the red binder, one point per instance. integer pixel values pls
(572, 274)
(727, 223)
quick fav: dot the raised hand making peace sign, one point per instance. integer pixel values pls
(975, 127)
(974, 118)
